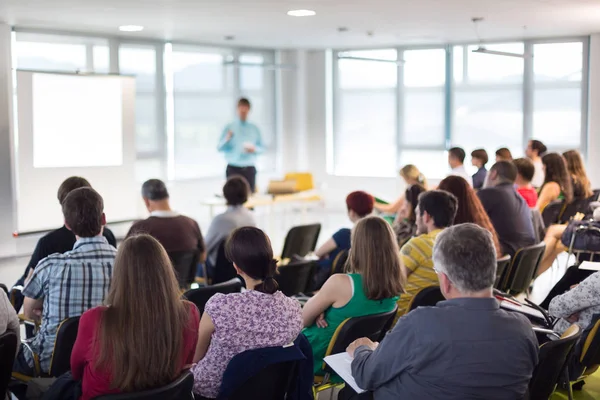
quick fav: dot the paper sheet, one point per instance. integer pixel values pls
(341, 364)
(590, 266)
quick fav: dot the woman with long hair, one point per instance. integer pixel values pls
(557, 182)
(145, 335)
(415, 181)
(582, 188)
(372, 286)
(470, 209)
(260, 317)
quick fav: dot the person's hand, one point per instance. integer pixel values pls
(249, 148)
(574, 286)
(320, 321)
(573, 318)
(229, 136)
(361, 342)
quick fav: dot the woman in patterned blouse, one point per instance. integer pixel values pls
(578, 305)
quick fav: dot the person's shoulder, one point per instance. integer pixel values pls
(140, 225)
(93, 315)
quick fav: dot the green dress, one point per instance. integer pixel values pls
(358, 306)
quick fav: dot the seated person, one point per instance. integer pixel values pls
(435, 211)
(60, 240)
(372, 286)
(9, 322)
(582, 188)
(578, 305)
(557, 181)
(148, 329)
(456, 159)
(415, 182)
(503, 154)
(405, 224)
(534, 151)
(479, 158)
(260, 317)
(465, 347)
(507, 210)
(525, 171)
(66, 285)
(235, 191)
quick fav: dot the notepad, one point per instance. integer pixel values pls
(522, 308)
(590, 266)
(341, 364)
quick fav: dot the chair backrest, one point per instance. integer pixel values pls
(180, 389)
(224, 270)
(201, 295)
(339, 263)
(553, 357)
(426, 297)
(271, 383)
(8, 351)
(523, 268)
(295, 277)
(590, 352)
(501, 267)
(539, 229)
(552, 212)
(65, 340)
(185, 264)
(301, 240)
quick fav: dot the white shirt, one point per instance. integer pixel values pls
(164, 214)
(538, 176)
(462, 172)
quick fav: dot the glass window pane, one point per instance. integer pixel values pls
(101, 59)
(50, 56)
(199, 71)
(557, 116)
(558, 62)
(359, 74)
(251, 77)
(458, 63)
(141, 62)
(423, 68)
(424, 117)
(146, 135)
(496, 68)
(432, 163)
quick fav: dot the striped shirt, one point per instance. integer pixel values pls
(416, 257)
(70, 284)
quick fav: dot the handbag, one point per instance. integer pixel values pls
(582, 236)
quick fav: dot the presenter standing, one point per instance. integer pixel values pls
(241, 142)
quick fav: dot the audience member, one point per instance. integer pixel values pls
(415, 182)
(535, 150)
(507, 210)
(260, 317)
(436, 210)
(479, 158)
(582, 188)
(372, 287)
(405, 224)
(9, 322)
(145, 335)
(66, 285)
(465, 347)
(557, 182)
(469, 209)
(503, 154)
(525, 171)
(456, 160)
(236, 191)
(577, 306)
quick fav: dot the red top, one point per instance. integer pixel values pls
(97, 383)
(529, 194)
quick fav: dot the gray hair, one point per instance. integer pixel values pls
(467, 255)
(154, 189)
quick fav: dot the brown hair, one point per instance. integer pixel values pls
(236, 190)
(556, 171)
(470, 209)
(244, 102)
(141, 332)
(480, 154)
(525, 168)
(70, 184)
(577, 170)
(504, 154)
(374, 254)
(83, 209)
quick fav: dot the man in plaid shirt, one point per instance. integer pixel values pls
(66, 285)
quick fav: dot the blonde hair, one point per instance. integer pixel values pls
(374, 254)
(409, 171)
(577, 171)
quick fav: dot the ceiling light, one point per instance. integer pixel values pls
(131, 28)
(301, 13)
(483, 50)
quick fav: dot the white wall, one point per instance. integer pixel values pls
(593, 158)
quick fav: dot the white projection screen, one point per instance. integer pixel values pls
(69, 124)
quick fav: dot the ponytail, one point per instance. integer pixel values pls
(269, 285)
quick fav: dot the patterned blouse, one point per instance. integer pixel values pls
(244, 321)
(583, 299)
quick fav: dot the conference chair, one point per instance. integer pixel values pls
(201, 295)
(63, 346)
(373, 327)
(539, 229)
(301, 240)
(552, 212)
(224, 270)
(185, 264)
(426, 297)
(502, 265)
(295, 277)
(339, 262)
(180, 389)
(523, 269)
(586, 357)
(553, 358)
(8, 351)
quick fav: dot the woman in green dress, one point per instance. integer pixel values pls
(372, 286)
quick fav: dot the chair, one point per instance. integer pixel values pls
(63, 346)
(523, 269)
(295, 277)
(271, 383)
(8, 350)
(180, 389)
(201, 295)
(185, 264)
(426, 297)
(586, 357)
(553, 357)
(301, 240)
(552, 212)
(502, 265)
(224, 270)
(339, 263)
(575, 206)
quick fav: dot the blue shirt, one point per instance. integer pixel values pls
(342, 242)
(479, 178)
(70, 284)
(244, 132)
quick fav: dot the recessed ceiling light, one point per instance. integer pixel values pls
(301, 13)
(131, 28)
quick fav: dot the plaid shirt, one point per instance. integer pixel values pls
(70, 284)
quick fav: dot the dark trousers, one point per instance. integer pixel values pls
(572, 276)
(247, 172)
(347, 393)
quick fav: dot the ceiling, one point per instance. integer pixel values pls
(264, 23)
